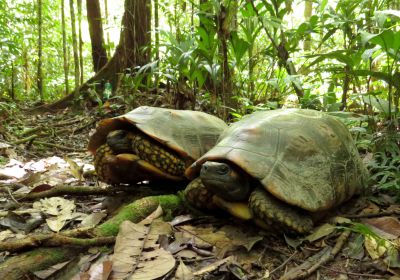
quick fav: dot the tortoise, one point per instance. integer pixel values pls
(150, 144)
(278, 168)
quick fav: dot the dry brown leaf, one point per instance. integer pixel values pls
(76, 170)
(226, 239)
(136, 252)
(93, 219)
(374, 249)
(213, 266)
(61, 209)
(389, 226)
(320, 232)
(183, 272)
(44, 274)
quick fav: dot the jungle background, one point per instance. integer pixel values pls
(67, 64)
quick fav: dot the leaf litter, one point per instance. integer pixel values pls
(188, 247)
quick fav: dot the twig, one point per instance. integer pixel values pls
(26, 139)
(313, 263)
(58, 146)
(30, 131)
(373, 215)
(352, 273)
(283, 264)
(12, 197)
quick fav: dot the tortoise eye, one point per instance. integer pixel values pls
(224, 169)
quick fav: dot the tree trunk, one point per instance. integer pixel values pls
(27, 78)
(65, 54)
(130, 52)
(74, 44)
(99, 54)
(40, 50)
(108, 47)
(225, 25)
(80, 40)
(307, 15)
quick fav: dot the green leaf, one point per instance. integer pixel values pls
(239, 45)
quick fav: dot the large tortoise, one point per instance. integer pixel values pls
(152, 143)
(284, 164)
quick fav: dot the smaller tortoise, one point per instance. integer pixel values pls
(152, 143)
(279, 168)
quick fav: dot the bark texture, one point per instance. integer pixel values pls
(99, 54)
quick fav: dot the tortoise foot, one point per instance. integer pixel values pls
(278, 214)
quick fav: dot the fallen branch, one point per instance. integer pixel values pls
(74, 191)
(313, 263)
(69, 149)
(53, 240)
(26, 139)
(60, 190)
(19, 267)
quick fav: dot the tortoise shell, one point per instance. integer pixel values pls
(305, 158)
(189, 133)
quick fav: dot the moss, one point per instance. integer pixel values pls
(137, 211)
(17, 267)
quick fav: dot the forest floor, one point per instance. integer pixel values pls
(41, 152)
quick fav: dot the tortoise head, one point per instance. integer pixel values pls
(119, 141)
(225, 180)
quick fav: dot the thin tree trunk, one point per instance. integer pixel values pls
(80, 40)
(74, 43)
(40, 50)
(225, 25)
(12, 91)
(108, 46)
(99, 54)
(307, 15)
(27, 79)
(65, 54)
(157, 34)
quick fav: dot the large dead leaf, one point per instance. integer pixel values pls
(388, 227)
(59, 208)
(137, 254)
(183, 272)
(226, 239)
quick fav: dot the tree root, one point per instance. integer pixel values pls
(313, 263)
(21, 266)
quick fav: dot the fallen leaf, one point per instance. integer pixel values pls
(374, 249)
(6, 234)
(93, 219)
(136, 252)
(59, 208)
(54, 206)
(76, 170)
(389, 227)
(211, 267)
(46, 273)
(183, 272)
(355, 248)
(320, 232)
